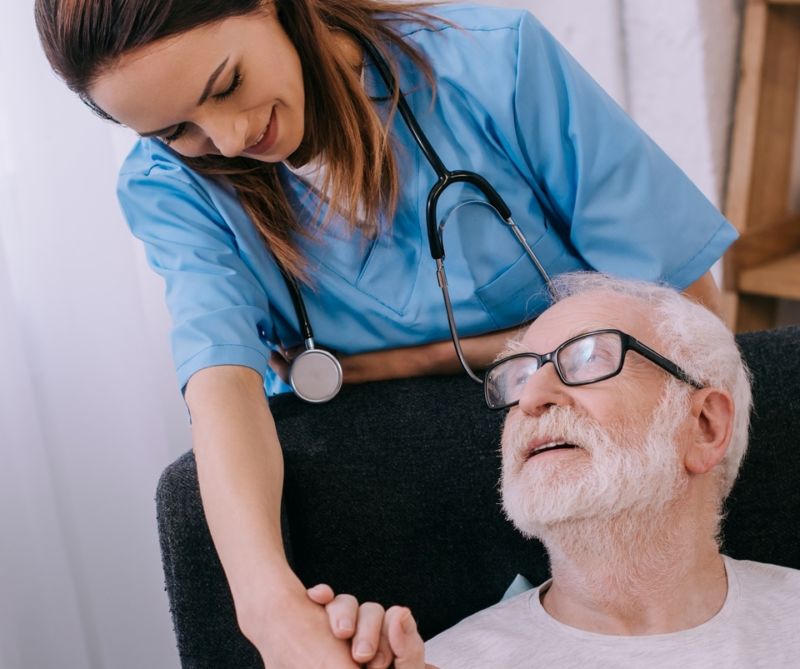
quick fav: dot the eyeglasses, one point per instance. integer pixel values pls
(588, 358)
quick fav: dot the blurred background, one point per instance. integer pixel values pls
(89, 410)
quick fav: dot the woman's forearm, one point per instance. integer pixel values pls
(438, 358)
(705, 291)
(240, 469)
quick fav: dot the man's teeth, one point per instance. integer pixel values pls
(260, 137)
(544, 447)
(551, 445)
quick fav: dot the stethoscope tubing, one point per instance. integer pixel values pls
(445, 178)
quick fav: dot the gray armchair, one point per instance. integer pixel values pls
(424, 528)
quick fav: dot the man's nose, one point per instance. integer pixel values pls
(543, 391)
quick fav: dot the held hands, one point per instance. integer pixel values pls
(379, 639)
(299, 636)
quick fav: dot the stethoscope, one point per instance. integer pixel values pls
(315, 374)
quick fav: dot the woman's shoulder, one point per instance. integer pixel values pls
(153, 180)
(467, 16)
(151, 157)
(151, 167)
(465, 19)
(474, 39)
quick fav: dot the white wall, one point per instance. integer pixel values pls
(680, 57)
(591, 30)
(89, 412)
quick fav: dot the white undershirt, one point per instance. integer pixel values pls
(757, 627)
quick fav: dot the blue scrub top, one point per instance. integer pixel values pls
(512, 105)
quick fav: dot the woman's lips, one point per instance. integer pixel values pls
(267, 139)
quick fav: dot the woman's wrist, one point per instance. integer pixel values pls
(267, 595)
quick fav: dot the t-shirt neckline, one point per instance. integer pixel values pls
(541, 617)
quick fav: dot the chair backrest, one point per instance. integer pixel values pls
(391, 494)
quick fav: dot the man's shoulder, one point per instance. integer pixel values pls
(763, 577)
(486, 634)
(766, 597)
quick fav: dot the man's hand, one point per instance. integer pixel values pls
(378, 638)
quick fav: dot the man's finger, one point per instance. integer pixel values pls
(342, 614)
(404, 639)
(366, 642)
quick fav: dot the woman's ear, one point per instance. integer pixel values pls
(711, 415)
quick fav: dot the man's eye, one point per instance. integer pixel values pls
(523, 374)
(235, 83)
(179, 132)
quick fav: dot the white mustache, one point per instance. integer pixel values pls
(559, 424)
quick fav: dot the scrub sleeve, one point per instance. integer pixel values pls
(630, 210)
(219, 308)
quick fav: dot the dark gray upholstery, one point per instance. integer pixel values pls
(391, 494)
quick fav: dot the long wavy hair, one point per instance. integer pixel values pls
(343, 130)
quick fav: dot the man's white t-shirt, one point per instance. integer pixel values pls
(757, 626)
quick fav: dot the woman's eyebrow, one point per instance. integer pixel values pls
(211, 81)
(203, 97)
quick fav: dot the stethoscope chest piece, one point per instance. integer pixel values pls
(315, 375)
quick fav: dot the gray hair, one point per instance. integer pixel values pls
(692, 337)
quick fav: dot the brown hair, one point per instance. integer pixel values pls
(342, 128)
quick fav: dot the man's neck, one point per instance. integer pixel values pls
(630, 577)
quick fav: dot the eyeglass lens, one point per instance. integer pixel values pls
(584, 360)
(590, 358)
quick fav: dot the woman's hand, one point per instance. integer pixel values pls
(378, 637)
(438, 358)
(297, 633)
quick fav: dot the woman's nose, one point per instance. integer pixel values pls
(543, 391)
(228, 134)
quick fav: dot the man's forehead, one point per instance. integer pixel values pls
(591, 310)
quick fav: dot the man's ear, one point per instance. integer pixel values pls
(711, 413)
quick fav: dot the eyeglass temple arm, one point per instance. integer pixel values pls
(661, 361)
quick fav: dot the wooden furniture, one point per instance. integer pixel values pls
(764, 264)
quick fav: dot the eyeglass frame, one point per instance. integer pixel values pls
(629, 343)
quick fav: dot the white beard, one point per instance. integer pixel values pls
(616, 472)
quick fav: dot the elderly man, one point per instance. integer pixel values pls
(628, 420)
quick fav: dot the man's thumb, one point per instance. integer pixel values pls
(404, 639)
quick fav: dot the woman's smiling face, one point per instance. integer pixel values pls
(231, 88)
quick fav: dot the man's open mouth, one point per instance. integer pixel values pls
(549, 446)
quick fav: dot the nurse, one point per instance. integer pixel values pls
(271, 143)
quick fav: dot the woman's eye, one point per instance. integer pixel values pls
(175, 135)
(235, 83)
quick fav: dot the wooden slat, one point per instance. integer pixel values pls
(775, 123)
(760, 245)
(778, 278)
(761, 152)
(755, 312)
(758, 267)
(745, 124)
